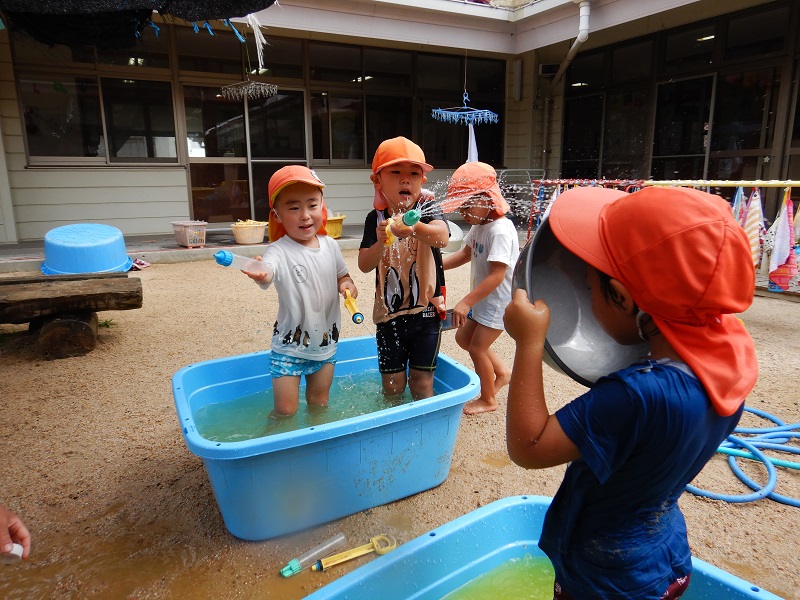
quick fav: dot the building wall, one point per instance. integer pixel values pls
(9, 121)
(33, 200)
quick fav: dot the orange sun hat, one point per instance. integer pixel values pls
(686, 263)
(283, 178)
(471, 179)
(391, 152)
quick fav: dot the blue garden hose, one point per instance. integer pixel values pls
(766, 438)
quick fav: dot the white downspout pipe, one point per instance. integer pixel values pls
(583, 35)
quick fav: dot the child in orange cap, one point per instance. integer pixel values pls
(308, 270)
(670, 266)
(491, 247)
(409, 291)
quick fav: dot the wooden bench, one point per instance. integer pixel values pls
(62, 309)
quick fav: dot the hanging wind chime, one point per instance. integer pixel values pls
(248, 88)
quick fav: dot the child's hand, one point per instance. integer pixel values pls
(381, 232)
(260, 277)
(346, 286)
(400, 229)
(527, 322)
(13, 530)
(460, 312)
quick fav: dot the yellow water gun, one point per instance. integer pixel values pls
(380, 544)
(350, 304)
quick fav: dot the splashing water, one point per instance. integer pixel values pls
(526, 200)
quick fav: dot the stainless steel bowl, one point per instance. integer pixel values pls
(575, 344)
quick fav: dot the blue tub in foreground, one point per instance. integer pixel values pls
(286, 482)
(441, 561)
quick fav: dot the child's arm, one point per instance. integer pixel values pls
(368, 258)
(479, 292)
(534, 437)
(435, 234)
(456, 259)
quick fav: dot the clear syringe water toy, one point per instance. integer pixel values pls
(380, 544)
(350, 304)
(226, 258)
(410, 218)
(311, 557)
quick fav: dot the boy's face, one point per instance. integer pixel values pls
(476, 209)
(401, 184)
(299, 207)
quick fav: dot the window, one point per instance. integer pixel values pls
(218, 53)
(338, 119)
(624, 138)
(690, 49)
(384, 68)
(62, 118)
(387, 117)
(744, 112)
(335, 63)
(586, 73)
(140, 123)
(583, 119)
(277, 127)
(61, 115)
(440, 72)
(632, 63)
(757, 34)
(214, 125)
(283, 58)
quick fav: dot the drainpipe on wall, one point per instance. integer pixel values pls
(583, 35)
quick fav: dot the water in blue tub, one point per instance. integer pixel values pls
(525, 578)
(247, 417)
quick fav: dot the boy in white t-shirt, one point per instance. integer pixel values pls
(308, 270)
(492, 248)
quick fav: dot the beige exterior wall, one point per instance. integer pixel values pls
(9, 120)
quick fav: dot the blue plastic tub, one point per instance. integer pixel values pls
(286, 482)
(441, 561)
(84, 248)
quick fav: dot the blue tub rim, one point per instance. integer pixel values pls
(126, 266)
(209, 449)
(394, 559)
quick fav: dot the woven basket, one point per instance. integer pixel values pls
(249, 233)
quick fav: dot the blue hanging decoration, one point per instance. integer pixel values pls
(207, 26)
(154, 26)
(227, 23)
(464, 115)
(195, 27)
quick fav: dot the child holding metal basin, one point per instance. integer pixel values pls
(491, 247)
(409, 292)
(670, 266)
(308, 270)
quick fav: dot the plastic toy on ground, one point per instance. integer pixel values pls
(380, 544)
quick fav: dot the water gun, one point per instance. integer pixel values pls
(410, 218)
(380, 544)
(350, 304)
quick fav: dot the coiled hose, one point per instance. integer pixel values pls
(766, 438)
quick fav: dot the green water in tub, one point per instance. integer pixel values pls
(525, 578)
(247, 417)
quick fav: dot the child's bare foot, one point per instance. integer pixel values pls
(479, 405)
(501, 380)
